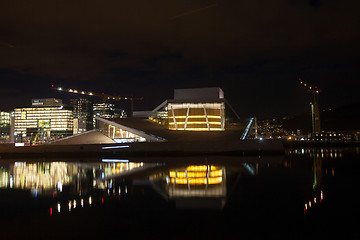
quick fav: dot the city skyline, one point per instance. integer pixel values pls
(254, 51)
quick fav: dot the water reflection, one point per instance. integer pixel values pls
(317, 152)
(51, 177)
(184, 182)
(194, 186)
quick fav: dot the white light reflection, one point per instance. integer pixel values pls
(112, 147)
(11, 181)
(58, 207)
(59, 186)
(115, 160)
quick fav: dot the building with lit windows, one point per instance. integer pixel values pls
(46, 120)
(104, 110)
(83, 115)
(4, 126)
(200, 114)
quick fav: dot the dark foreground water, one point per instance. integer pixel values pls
(305, 194)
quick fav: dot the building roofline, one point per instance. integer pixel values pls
(132, 130)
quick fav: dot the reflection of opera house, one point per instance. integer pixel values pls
(201, 114)
(194, 186)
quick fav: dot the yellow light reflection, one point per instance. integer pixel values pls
(196, 181)
(197, 175)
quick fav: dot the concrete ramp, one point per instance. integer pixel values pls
(89, 137)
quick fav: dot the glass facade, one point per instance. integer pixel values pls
(83, 115)
(104, 110)
(48, 123)
(118, 134)
(207, 116)
(196, 116)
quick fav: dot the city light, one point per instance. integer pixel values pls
(113, 147)
(115, 160)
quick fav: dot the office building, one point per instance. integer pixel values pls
(4, 126)
(83, 115)
(46, 120)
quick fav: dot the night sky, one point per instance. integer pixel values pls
(254, 50)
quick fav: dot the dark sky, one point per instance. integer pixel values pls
(254, 50)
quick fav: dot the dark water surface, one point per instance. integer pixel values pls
(305, 194)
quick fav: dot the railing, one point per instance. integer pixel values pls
(247, 129)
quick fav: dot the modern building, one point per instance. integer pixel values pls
(46, 120)
(196, 109)
(104, 110)
(4, 126)
(108, 111)
(83, 115)
(200, 114)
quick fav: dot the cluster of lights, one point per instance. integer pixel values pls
(312, 203)
(72, 204)
(312, 89)
(332, 153)
(83, 202)
(88, 93)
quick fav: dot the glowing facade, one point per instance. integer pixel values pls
(201, 109)
(47, 122)
(4, 126)
(197, 116)
(4, 119)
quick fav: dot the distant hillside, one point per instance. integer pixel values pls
(343, 118)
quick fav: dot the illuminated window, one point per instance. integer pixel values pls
(196, 116)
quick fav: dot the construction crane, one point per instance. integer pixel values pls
(315, 110)
(105, 97)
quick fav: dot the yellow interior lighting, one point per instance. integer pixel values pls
(180, 123)
(199, 116)
(198, 129)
